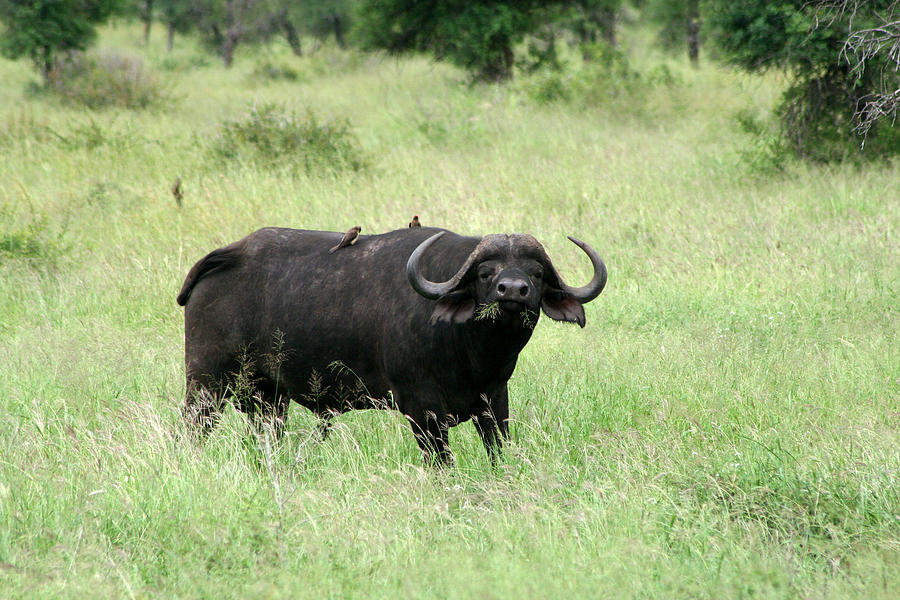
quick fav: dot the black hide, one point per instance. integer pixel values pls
(340, 331)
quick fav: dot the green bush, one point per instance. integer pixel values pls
(330, 60)
(825, 90)
(273, 136)
(478, 36)
(109, 79)
(268, 70)
(183, 64)
(91, 135)
(766, 152)
(21, 128)
(547, 86)
(28, 237)
(604, 76)
(45, 29)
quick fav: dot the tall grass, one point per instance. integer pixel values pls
(725, 426)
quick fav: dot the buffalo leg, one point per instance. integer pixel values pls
(266, 408)
(500, 409)
(202, 406)
(486, 426)
(431, 430)
(325, 423)
(492, 422)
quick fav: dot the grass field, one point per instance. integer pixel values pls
(727, 425)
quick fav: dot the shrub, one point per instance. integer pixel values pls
(42, 29)
(92, 135)
(273, 136)
(22, 128)
(550, 85)
(476, 35)
(268, 70)
(109, 79)
(604, 76)
(28, 237)
(807, 40)
(182, 64)
(329, 60)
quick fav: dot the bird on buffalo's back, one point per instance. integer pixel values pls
(349, 238)
(415, 221)
(177, 191)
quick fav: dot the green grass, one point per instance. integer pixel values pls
(727, 424)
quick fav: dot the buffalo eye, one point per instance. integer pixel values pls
(484, 273)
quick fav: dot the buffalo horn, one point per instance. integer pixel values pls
(430, 289)
(592, 289)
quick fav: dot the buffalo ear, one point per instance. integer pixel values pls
(560, 306)
(455, 307)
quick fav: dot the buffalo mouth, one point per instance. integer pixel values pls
(490, 311)
(512, 305)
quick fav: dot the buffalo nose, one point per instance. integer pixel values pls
(512, 289)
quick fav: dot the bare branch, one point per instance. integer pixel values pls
(863, 48)
(880, 106)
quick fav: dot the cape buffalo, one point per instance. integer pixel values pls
(369, 327)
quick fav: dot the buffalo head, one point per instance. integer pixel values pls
(513, 271)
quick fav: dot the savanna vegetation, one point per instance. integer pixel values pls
(727, 425)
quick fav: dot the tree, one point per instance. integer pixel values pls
(875, 46)
(142, 10)
(806, 40)
(596, 18)
(178, 16)
(284, 22)
(476, 35)
(42, 29)
(679, 22)
(319, 18)
(145, 12)
(223, 24)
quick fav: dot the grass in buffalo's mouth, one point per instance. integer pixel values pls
(492, 310)
(488, 311)
(529, 318)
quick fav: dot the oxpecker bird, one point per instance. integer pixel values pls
(177, 191)
(415, 222)
(349, 239)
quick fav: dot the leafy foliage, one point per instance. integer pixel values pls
(22, 128)
(42, 29)
(108, 79)
(273, 136)
(268, 69)
(604, 78)
(320, 18)
(177, 15)
(223, 24)
(593, 20)
(478, 36)
(29, 237)
(679, 24)
(874, 45)
(818, 108)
